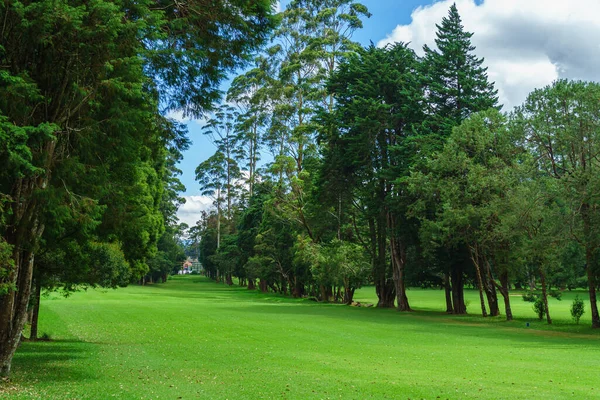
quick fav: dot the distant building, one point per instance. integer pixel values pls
(190, 265)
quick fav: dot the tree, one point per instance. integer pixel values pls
(250, 93)
(221, 128)
(534, 219)
(456, 85)
(469, 179)
(561, 124)
(378, 106)
(65, 79)
(211, 174)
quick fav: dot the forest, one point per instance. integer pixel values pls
(337, 165)
(399, 171)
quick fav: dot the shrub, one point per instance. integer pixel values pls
(539, 307)
(557, 294)
(530, 297)
(577, 309)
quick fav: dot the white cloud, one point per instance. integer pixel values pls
(277, 7)
(191, 211)
(526, 44)
(178, 116)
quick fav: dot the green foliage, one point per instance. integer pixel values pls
(557, 294)
(457, 84)
(80, 89)
(539, 307)
(577, 309)
(530, 297)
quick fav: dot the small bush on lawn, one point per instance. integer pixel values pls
(530, 297)
(557, 294)
(577, 309)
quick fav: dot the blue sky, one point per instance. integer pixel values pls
(526, 44)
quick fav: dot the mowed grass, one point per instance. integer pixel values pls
(193, 339)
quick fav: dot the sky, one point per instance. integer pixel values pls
(526, 44)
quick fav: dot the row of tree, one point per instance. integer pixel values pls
(88, 177)
(397, 170)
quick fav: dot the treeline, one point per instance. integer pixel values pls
(396, 170)
(88, 177)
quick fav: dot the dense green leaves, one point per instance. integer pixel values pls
(81, 131)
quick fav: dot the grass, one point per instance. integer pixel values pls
(194, 339)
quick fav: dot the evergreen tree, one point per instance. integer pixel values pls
(456, 85)
(456, 82)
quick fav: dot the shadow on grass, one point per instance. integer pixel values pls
(52, 361)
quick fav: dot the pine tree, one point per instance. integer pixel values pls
(456, 82)
(456, 86)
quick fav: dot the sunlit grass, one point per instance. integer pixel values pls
(194, 339)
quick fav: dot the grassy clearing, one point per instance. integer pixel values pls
(192, 339)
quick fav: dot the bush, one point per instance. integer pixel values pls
(557, 294)
(530, 297)
(539, 308)
(577, 309)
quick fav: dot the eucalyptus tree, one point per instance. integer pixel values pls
(250, 93)
(562, 125)
(313, 38)
(221, 128)
(211, 174)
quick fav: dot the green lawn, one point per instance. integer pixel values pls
(194, 339)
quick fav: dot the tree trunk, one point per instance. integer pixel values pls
(384, 287)
(348, 295)
(262, 285)
(448, 293)
(13, 308)
(23, 235)
(458, 289)
(251, 284)
(475, 259)
(490, 289)
(504, 289)
(398, 265)
(545, 295)
(592, 286)
(36, 310)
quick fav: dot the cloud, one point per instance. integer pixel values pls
(526, 44)
(277, 6)
(178, 116)
(190, 212)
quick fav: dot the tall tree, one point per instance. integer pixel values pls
(562, 126)
(211, 174)
(221, 128)
(455, 80)
(470, 179)
(456, 85)
(378, 106)
(63, 62)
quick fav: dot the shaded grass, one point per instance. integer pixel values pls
(191, 339)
